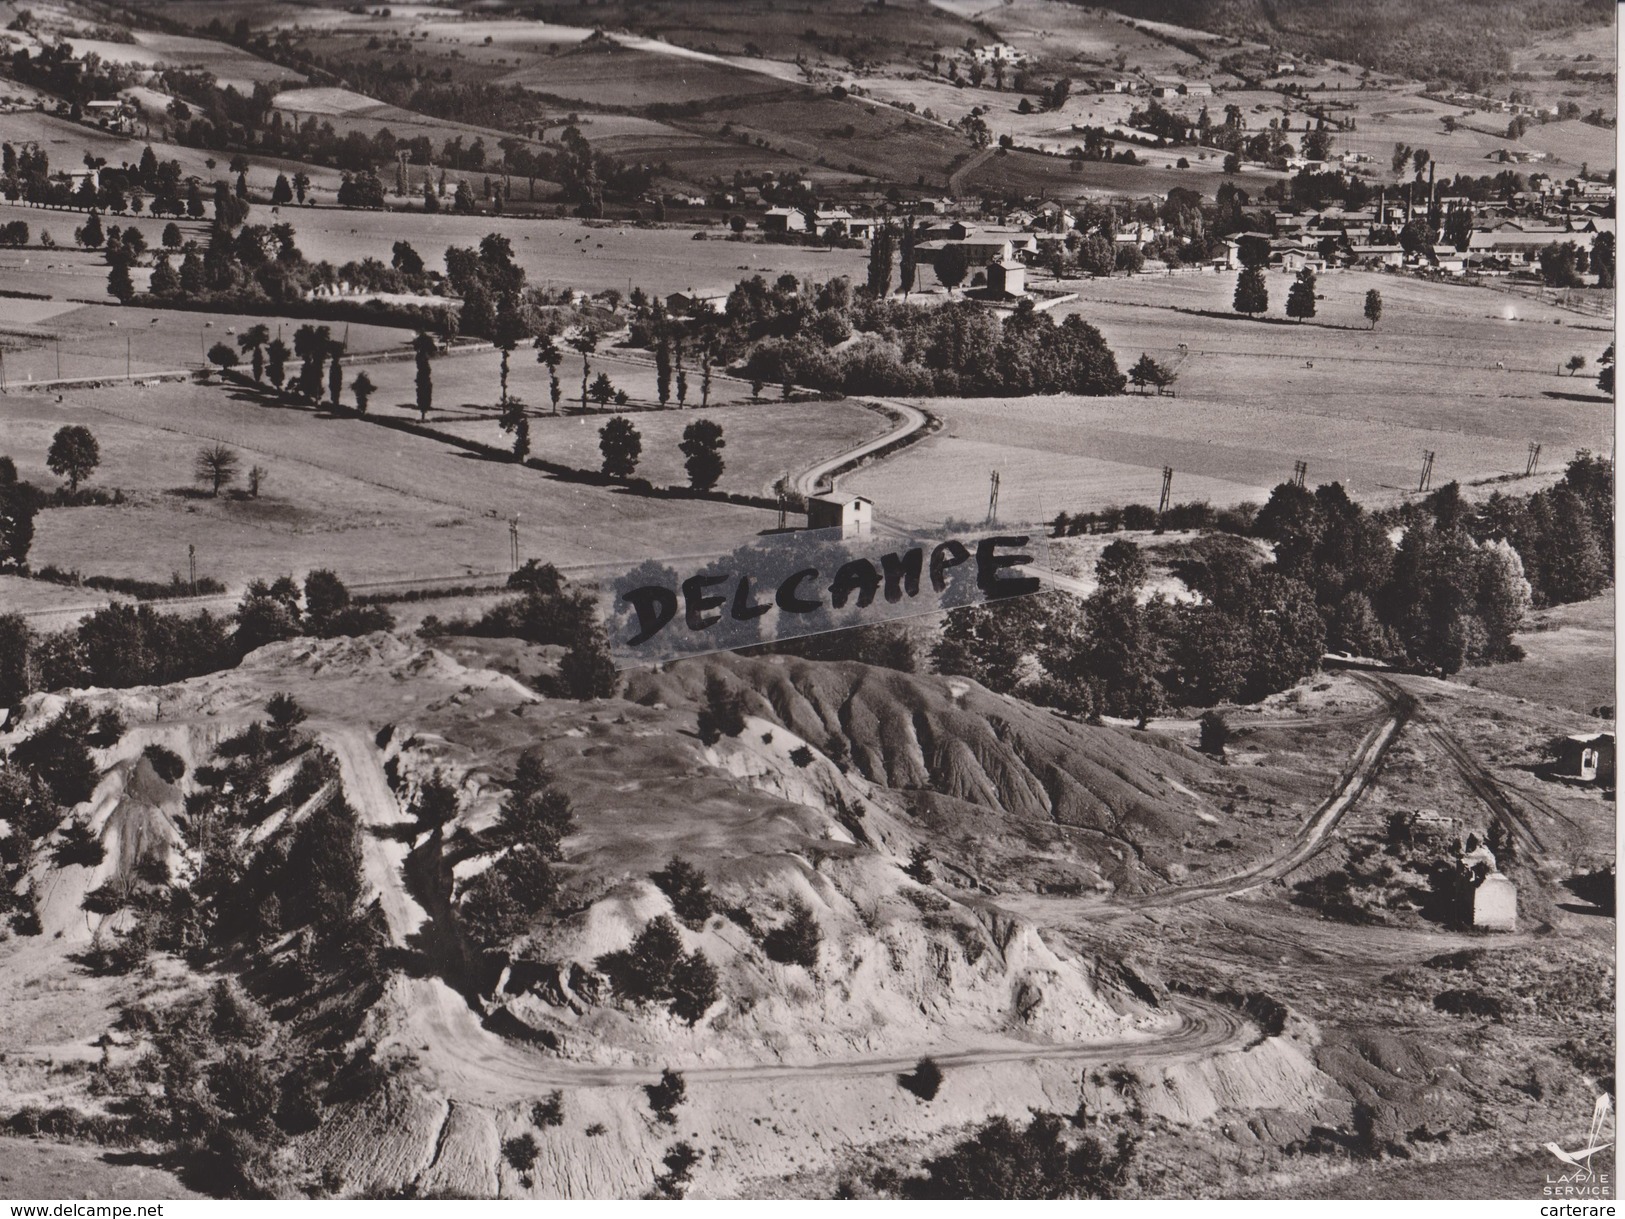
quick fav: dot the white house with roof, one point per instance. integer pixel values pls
(852, 514)
(784, 220)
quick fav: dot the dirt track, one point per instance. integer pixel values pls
(1312, 835)
(473, 1062)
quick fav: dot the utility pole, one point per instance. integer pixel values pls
(1426, 480)
(191, 566)
(993, 498)
(1167, 489)
(126, 357)
(1300, 472)
(59, 358)
(513, 540)
(1534, 459)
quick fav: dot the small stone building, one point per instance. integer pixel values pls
(851, 514)
(1587, 757)
(1006, 278)
(1495, 903)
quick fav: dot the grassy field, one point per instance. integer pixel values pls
(587, 256)
(372, 504)
(350, 111)
(616, 76)
(577, 254)
(900, 32)
(1358, 405)
(67, 143)
(1568, 659)
(153, 49)
(763, 440)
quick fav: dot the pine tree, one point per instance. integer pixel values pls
(1252, 291)
(1300, 298)
(119, 284)
(880, 259)
(663, 368)
(424, 347)
(906, 261)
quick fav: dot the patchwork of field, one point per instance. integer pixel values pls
(152, 49)
(1075, 34)
(67, 142)
(349, 111)
(607, 74)
(1360, 406)
(370, 503)
(900, 31)
(1031, 173)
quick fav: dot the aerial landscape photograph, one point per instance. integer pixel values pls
(807, 599)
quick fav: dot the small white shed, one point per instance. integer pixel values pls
(851, 514)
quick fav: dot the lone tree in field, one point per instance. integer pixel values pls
(276, 362)
(74, 454)
(223, 356)
(1575, 364)
(217, 466)
(603, 389)
(621, 446)
(423, 346)
(119, 284)
(515, 420)
(1252, 292)
(510, 327)
(362, 387)
(1147, 371)
(952, 265)
(663, 368)
(586, 343)
(548, 353)
(1373, 307)
(707, 354)
(335, 374)
(702, 447)
(253, 341)
(1300, 298)
(880, 260)
(906, 259)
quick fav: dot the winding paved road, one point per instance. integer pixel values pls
(914, 419)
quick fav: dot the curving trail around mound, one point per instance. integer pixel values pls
(470, 1060)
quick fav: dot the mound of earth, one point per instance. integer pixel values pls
(1101, 806)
